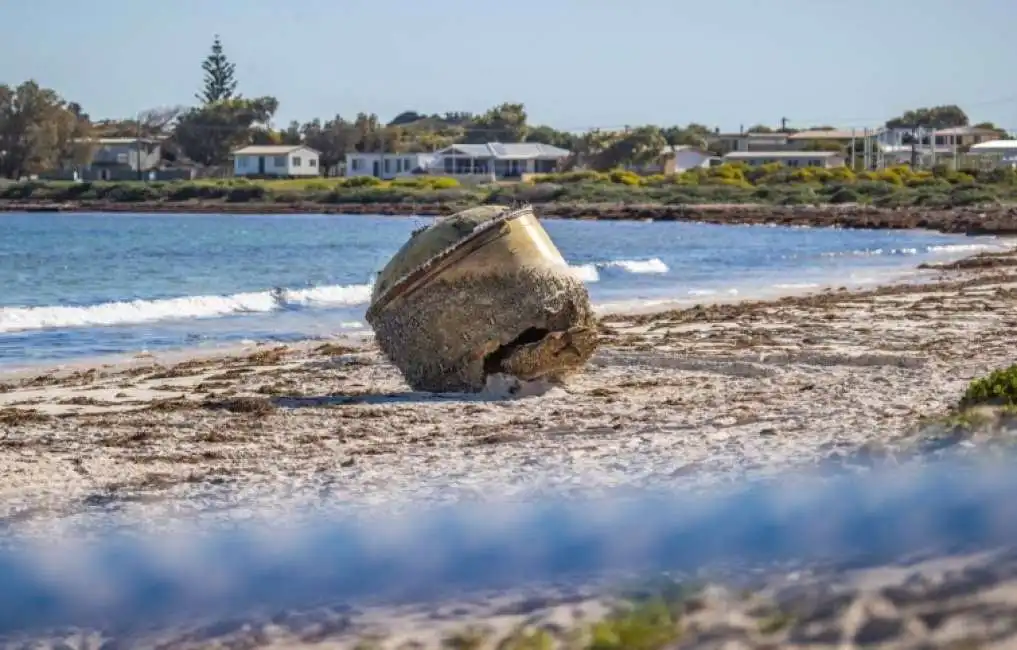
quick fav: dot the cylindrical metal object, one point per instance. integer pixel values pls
(482, 292)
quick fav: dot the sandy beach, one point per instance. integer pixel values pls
(678, 399)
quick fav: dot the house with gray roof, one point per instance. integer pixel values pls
(499, 160)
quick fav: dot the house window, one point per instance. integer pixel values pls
(279, 161)
(296, 161)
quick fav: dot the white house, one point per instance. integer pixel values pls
(387, 165)
(508, 160)
(825, 159)
(675, 160)
(686, 157)
(276, 160)
(1005, 151)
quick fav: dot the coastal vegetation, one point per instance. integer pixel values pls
(41, 131)
(728, 183)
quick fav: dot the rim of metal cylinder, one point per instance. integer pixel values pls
(483, 234)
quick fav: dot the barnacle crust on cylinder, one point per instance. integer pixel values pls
(481, 292)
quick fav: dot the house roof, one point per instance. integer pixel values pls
(672, 149)
(965, 130)
(823, 134)
(119, 141)
(508, 151)
(995, 145)
(748, 155)
(269, 149)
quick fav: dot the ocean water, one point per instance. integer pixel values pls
(84, 285)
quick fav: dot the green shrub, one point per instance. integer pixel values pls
(898, 199)
(999, 387)
(188, 191)
(845, 195)
(998, 176)
(874, 189)
(21, 191)
(362, 181)
(932, 198)
(625, 177)
(131, 193)
(242, 194)
(525, 193)
(964, 196)
(582, 176)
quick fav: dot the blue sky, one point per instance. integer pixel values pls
(575, 64)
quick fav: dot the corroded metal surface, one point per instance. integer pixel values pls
(482, 292)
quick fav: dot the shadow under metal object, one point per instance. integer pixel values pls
(481, 292)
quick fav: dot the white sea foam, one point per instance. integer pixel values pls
(654, 265)
(13, 319)
(591, 272)
(585, 272)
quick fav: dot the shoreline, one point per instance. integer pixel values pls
(618, 309)
(987, 220)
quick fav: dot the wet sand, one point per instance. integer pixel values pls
(680, 399)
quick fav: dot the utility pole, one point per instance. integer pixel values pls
(137, 146)
(853, 149)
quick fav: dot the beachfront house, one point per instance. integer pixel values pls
(275, 160)
(824, 159)
(497, 160)
(387, 165)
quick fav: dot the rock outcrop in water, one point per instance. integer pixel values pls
(482, 292)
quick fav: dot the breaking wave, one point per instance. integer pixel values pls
(591, 272)
(937, 250)
(14, 319)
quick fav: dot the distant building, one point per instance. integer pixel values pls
(824, 159)
(283, 161)
(727, 142)
(842, 137)
(676, 159)
(122, 159)
(1002, 152)
(964, 136)
(387, 165)
(498, 160)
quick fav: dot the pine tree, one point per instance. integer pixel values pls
(220, 83)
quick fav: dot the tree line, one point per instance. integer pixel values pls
(40, 130)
